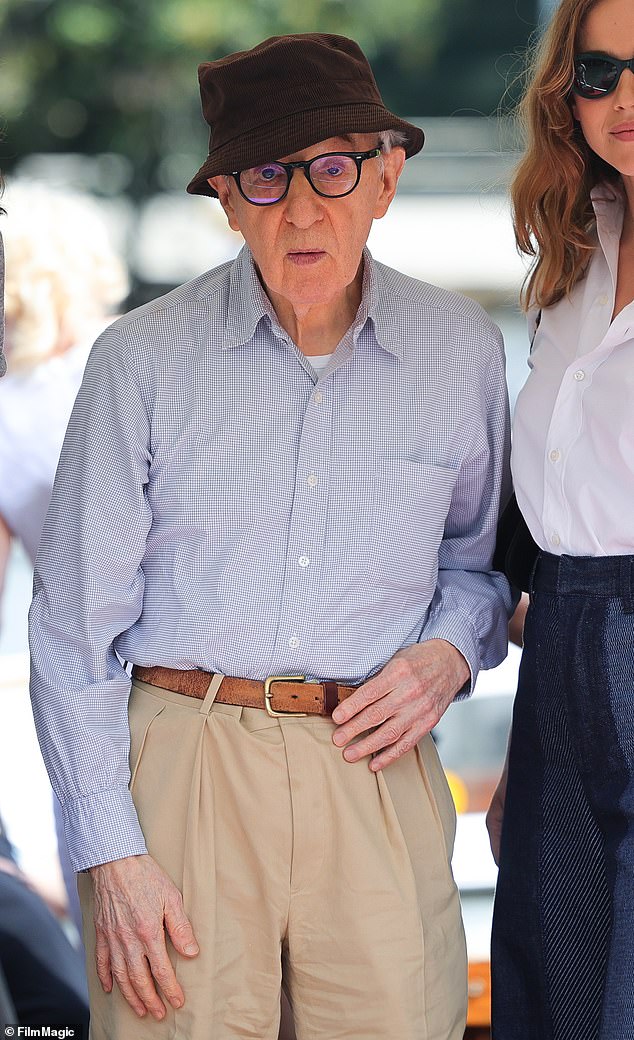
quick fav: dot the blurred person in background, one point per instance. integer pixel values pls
(6, 1011)
(277, 497)
(43, 978)
(562, 951)
(63, 279)
(44, 973)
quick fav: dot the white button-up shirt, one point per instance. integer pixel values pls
(573, 431)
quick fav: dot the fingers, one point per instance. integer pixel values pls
(373, 742)
(132, 975)
(403, 708)
(102, 958)
(152, 966)
(406, 743)
(179, 928)
(135, 902)
(400, 704)
(370, 693)
(137, 969)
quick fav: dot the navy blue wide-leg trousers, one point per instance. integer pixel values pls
(563, 928)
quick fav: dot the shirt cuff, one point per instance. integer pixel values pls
(101, 827)
(457, 629)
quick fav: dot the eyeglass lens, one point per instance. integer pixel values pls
(597, 75)
(331, 175)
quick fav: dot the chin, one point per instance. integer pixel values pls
(312, 289)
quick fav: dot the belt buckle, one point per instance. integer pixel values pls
(268, 696)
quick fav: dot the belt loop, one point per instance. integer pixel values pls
(627, 584)
(212, 690)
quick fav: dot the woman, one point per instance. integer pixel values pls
(63, 278)
(563, 949)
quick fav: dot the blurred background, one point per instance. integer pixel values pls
(100, 99)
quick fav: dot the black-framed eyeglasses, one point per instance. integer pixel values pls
(332, 175)
(597, 74)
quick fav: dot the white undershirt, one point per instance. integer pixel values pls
(319, 362)
(573, 431)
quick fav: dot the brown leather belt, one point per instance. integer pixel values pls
(279, 694)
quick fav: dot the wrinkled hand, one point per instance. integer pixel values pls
(135, 904)
(494, 817)
(405, 701)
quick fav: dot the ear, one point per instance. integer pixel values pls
(223, 186)
(393, 163)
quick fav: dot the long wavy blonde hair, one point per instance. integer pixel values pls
(550, 192)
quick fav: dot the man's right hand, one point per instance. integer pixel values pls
(136, 903)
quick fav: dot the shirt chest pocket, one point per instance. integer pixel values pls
(394, 510)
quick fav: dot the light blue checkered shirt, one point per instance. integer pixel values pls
(218, 507)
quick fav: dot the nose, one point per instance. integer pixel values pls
(625, 90)
(303, 207)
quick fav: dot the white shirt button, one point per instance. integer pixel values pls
(555, 455)
(303, 561)
(318, 397)
(293, 642)
(555, 539)
(312, 480)
(603, 300)
(580, 375)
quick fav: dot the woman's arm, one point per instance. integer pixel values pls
(516, 624)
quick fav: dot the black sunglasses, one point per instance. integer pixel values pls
(331, 175)
(598, 74)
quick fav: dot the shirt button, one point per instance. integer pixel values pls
(312, 480)
(555, 539)
(580, 375)
(303, 561)
(603, 300)
(555, 455)
(318, 397)
(293, 642)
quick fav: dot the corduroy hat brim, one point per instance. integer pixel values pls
(286, 94)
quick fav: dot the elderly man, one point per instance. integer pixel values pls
(277, 500)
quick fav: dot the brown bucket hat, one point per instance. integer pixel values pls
(284, 95)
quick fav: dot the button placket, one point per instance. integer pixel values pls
(307, 523)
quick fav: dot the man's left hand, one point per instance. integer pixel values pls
(400, 704)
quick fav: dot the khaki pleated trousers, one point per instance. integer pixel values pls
(296, 868)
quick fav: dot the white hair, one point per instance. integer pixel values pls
(389, 139)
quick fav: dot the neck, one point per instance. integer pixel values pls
(317, 328)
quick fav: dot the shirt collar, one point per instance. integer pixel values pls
(249, 305)
(608, 202)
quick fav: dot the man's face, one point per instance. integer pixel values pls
(308, 248)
